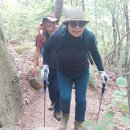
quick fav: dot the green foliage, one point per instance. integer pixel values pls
(100, 127)
(89, 123)
(121, 82)
(107, 118)
(103, 123)
(22, 18)
(118, 94)
(124, 107)
(120, 98)
(109, 115)
(126, 119)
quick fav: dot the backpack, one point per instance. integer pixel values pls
(62, 31)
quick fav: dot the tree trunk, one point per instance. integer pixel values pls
(114, 34)
(58, 8)
(129, 88)
(83, 5)
(127, 36)
(10, 99)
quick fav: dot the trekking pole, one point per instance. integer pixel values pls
(102, 92)
(45, 87)
(45, 102)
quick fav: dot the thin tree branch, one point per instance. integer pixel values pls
(118, 43)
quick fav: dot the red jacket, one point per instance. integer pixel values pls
(41, 38)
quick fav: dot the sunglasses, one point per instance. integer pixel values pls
(74, 24)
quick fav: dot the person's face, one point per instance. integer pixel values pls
(76, 27)
(49, 26)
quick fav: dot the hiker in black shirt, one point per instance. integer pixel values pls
(72, 43)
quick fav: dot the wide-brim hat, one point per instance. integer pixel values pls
(50, 17)
(74, 14)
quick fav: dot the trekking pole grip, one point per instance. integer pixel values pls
(104, 84)
(105, 78)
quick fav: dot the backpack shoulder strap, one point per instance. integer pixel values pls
(62, 36)
(86, 35)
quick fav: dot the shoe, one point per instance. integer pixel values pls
(57, 115)
(63, 121)
(79, 126)
(51, 108)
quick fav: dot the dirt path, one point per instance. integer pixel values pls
(33, 112)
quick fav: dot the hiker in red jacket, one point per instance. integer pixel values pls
(74, 45)
(48, 26)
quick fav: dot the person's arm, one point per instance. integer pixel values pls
(36, 56)
(95, 53)
(97, 59)
(41, 33)
(36, 61)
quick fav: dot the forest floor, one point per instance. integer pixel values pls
(32, 112)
